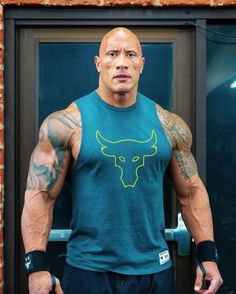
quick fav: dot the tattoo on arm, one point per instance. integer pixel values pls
(186, 163)
(51, 157)
(45, 165)
(180, 137)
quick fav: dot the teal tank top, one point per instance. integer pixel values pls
(117, 189)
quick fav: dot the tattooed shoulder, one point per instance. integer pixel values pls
(179, 134)
(51, 157)
(166, 123)
(176, 130)
(61, 125)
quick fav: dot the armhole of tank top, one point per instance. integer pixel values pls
(160, 123)
(75, 164)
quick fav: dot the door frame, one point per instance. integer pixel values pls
(17, 17)
(28, 92)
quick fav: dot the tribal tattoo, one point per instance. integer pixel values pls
(180, 138)
(186, 163)
(53, 154)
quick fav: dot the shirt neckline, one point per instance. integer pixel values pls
(115, 108)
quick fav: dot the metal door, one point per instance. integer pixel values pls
(58, 67)
(221, 141)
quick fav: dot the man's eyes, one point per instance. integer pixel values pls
(112, 54)
(132, 54)
(115, 54)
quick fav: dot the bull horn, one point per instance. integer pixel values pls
(152, 139)
(102, 141)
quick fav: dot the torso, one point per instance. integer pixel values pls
(109, 177)
(76, 134)
(176, 130)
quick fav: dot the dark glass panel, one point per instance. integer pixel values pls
(67, 71)
(221, 146)
(156, 80)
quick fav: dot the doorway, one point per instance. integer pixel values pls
(55, 67)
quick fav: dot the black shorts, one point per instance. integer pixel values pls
(79, 281)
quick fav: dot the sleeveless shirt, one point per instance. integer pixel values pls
(117, 189)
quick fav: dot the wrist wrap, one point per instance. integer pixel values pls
(35, 261)
(206, 251)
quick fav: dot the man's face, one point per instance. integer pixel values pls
(120, 62)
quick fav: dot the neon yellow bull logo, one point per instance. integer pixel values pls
(129, 155)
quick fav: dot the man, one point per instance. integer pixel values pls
(114, 146)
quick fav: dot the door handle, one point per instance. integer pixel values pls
(180, 235)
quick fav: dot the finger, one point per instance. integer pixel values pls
(214, 286)
(198, 281)
(58, 289)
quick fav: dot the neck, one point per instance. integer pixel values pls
(117, 99)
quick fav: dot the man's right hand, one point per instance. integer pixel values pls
(41, 283)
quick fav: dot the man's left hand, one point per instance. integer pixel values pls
(212, 275)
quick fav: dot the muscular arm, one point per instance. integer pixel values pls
(58, 146)
(49, 164)
(191, 193)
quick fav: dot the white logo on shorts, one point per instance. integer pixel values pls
(164, 256)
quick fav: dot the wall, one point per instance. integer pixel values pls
(131, 3)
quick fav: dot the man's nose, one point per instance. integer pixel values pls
(122, 61)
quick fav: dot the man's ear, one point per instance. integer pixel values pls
(142, 66)
(97, 63)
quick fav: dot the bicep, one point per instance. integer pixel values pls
(183, 167)
(45, 179)
(185, 163)
(183, 171)
(48, 166)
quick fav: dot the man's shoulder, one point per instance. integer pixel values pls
(166, 116)
(175, 127)
(59, 126)
(70, 116)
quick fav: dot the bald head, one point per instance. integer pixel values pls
(119, 33)
(119, 64)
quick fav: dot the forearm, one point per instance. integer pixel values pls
(36, 220)
(196, 211)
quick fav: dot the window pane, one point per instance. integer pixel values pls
(156, 80)
(221, 145)
(67, 71)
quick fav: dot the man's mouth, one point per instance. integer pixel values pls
(122, 76)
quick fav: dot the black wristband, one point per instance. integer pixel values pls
(206, 251)
(35, 261)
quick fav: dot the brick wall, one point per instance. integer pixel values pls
(1, 148)
(154, 3)
(3, 3)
